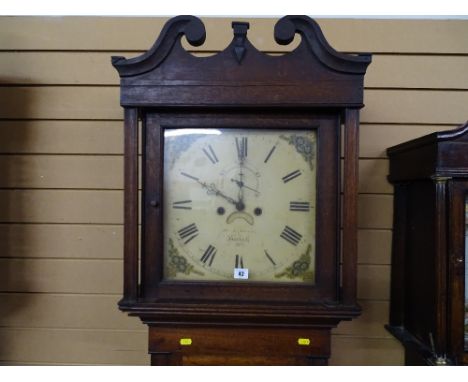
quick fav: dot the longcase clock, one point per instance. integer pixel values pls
(247, 248)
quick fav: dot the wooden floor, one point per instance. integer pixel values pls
(61, 168)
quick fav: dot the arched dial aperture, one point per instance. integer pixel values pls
(240, 198)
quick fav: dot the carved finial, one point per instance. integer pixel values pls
(240, 34)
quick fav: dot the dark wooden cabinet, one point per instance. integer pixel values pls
(429, 275)
(175, 277)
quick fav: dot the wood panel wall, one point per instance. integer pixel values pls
(61, 173)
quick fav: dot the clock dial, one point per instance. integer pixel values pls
(239, 199)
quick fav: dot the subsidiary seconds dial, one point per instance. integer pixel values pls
(239, 199)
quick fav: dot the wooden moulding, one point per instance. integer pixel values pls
(130, 207)
(240, 75)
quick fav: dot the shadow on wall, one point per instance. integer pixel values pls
(14, 272)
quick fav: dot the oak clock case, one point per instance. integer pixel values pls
(241, 247)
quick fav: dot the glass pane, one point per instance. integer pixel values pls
(239, 205)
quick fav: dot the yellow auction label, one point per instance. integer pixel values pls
(303, 341)
(185, 341)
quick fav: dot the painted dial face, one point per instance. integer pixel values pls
(239, 205)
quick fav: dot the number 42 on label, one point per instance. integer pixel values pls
(241, 273)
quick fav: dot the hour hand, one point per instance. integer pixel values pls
(211, 189)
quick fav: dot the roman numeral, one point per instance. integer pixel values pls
(291, 176)
(211, 155)
(189, 176)
(291, 236)
(299, 206)
(190, 232)
(208, 255)
(269, 257)
(239, 262)
(269, 154)
(241, 145)
(182, 205)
